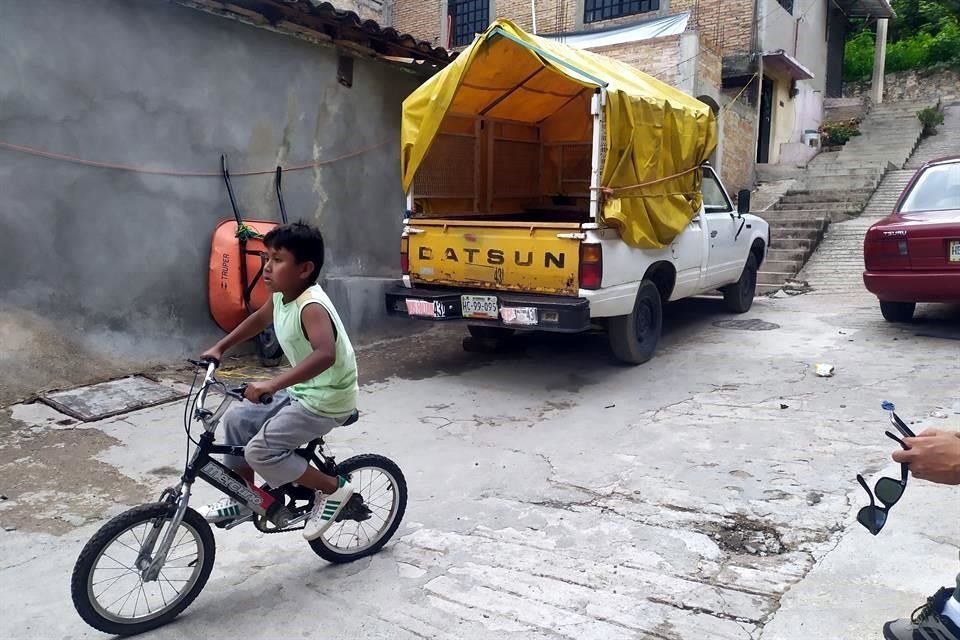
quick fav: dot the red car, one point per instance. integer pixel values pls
(913, 255)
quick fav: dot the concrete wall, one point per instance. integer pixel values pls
(122, 257)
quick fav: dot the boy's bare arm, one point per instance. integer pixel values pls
(318, 327)
(255, 323)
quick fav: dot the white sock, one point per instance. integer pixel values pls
(952, 610)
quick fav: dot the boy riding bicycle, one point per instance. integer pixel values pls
(321, 388)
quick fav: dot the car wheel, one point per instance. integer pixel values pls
(897, 311)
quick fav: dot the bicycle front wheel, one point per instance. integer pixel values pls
(107, 585)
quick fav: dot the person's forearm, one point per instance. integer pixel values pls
(249, 328)
(311, 366)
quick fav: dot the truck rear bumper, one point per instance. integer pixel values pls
(553, 313)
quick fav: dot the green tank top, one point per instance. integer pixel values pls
(334, 392)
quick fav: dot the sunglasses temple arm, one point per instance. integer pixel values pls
(863, 483)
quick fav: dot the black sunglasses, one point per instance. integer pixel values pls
(887, 490)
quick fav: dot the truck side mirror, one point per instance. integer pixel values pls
(743, 201)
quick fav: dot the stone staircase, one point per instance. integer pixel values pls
(835, 187)
(945, 143)
(837, 266)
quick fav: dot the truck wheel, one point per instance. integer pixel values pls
(738, 297)
(897, 311)
(633, 338)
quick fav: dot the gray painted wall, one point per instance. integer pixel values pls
(122, 257)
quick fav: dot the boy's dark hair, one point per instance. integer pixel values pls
(300, 239)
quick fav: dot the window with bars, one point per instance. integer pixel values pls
(467, 18)
(597, 10)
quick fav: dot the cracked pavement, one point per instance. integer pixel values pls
(554, 494)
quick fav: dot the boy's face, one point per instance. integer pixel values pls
(282, 273)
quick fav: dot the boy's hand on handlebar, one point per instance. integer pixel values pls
(254, 391)
(213, 354)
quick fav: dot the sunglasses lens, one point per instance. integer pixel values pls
(888, 491)
(872, 518)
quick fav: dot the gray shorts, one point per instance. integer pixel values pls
(270, 433)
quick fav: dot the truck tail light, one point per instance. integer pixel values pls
(405, 255)
(591, 266)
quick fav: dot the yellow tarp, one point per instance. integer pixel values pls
(653, 131)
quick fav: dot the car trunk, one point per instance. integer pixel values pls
(933, 239)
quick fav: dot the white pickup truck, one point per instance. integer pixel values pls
(493, 275)
(538, 177)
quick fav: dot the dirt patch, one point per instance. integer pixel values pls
(52, 480)
(739, 534)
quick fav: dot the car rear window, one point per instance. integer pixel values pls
(937, 189)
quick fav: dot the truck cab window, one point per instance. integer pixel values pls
(714, 198)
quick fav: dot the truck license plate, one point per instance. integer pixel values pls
(523, 316)
(480, 307)
(955, 251)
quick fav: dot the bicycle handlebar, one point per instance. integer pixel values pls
(237, 393)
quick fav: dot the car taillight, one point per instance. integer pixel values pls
(886, 250)
(405, 255)
(591, 266)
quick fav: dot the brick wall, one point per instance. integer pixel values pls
(709, 68)
(739, 151)
(659, 57)
(419, 18)
(726, 25)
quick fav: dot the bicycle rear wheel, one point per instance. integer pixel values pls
(107, 587)
(373, 514)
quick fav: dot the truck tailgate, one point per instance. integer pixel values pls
(532, 258)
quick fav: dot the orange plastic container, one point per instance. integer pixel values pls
(224, 285)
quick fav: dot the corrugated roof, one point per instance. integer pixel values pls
(324, 20)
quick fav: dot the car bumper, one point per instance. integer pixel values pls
(923, 286)
(554, 313)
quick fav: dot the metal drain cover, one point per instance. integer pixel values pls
(110, 398)
(746, 325)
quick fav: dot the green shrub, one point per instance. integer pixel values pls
(931, 118)
(938, 46)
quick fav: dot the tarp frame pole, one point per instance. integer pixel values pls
(552, 58)
(596, 110)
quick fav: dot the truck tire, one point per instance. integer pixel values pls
(897, 311)
(634, 337)
(738, 297)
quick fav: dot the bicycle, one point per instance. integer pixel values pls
(159, 546)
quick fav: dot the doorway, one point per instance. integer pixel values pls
(766, 121)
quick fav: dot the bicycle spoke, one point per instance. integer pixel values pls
(118, 562)
(127, 594)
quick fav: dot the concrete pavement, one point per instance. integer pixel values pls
(555, 494)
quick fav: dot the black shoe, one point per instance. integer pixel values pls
(926, 623)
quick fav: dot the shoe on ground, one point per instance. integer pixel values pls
(225, 510)
(927, 621)
(326, 508)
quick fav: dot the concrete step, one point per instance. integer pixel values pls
(820, 207)
(797, 233)
(786, 255)
(836, 195)
(782, 243)
(773, 277)
(782, 266)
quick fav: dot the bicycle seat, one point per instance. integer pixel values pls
(318, 442)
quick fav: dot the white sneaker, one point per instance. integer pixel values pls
(224, 510)
(326, 508)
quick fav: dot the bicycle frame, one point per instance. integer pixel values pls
(202, 466)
